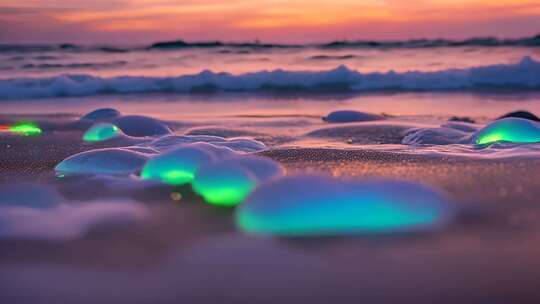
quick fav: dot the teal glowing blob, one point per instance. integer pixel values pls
(314, 206)
(101, 131)
(26, 128)
(224, 184)
(517, 130)
(229, 181)
(177, 166)
(110, 161)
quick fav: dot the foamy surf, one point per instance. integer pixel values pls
(524, 75)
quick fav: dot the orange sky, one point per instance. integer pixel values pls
(295, 21)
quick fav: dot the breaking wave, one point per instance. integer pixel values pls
(522, 75)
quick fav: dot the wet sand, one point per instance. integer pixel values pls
(191, 252)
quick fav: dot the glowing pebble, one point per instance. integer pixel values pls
(25, 128)
(314, 206)
(102, 114)
(178, 166)
(224, 184)
(351, 116)
(517, 130)
(101, 131)
(110, 161)
(228, 182)
(140, 126)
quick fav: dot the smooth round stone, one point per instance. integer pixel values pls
(110, 161)
(102, 114)
(317, 206)
(28, 195)
(140, 126)
(228, 182)
(521, 114)
(178, 166)
(515, 130)
(101, 131)
(351, 116)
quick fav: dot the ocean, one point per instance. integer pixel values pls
(45, 71)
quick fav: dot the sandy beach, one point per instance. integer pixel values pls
(184, 247)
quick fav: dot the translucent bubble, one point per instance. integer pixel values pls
(101, 131)
(224, 184)
(178, 166)
(111, 161)
(516, 130)
(229, 181)
(102, 114)
(314, 205)
(168, 142)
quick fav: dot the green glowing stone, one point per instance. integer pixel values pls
(101, 131)
(315, 206)
(516, 130)
(25, 128)
(224, 184)
(178, 166)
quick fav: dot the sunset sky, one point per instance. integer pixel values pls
(289, 21)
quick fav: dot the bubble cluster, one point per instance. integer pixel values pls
(168, 142)
(178, 166)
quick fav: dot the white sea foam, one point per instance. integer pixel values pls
(522, 75)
